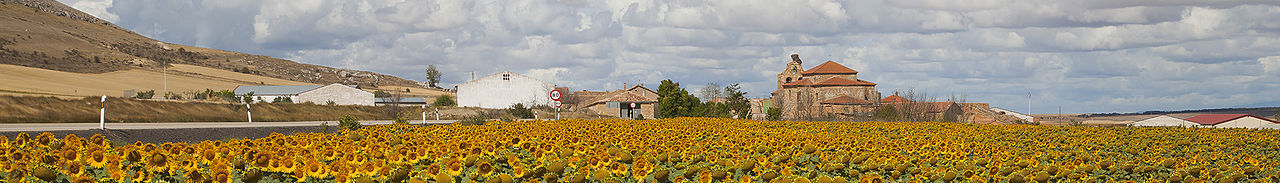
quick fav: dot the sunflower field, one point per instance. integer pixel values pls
(666, 150)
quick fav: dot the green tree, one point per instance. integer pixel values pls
(736, 100)
(774, 113)
(443, 100)
(674, 101)
(433, 76)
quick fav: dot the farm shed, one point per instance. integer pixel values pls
(504, 89)
(319, 94)
(1235, 121)
(1164, 120)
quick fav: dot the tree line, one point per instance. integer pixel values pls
(674, 101)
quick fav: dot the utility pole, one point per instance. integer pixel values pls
(1028, 103)
(165, 71)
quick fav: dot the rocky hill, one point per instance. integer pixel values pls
(50, 35)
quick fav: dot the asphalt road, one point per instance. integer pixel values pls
(37, 127)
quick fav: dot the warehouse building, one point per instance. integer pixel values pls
(1234, 121)
(504, 89)
(1165, 120)
(319, 94)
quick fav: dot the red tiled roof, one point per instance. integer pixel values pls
(1214, 119)
(829, 67)
(844, 82)
(846, 100)
(894, 99)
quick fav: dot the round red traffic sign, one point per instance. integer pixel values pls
(555, 95)
(633, 105)
(557, 103)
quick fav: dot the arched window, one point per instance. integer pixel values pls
(788, 80)
(793, 70)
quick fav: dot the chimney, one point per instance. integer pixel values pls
(796, 58)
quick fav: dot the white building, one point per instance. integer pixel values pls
(1234, 121)
(318, 94)
(1024, 117)
(1165, 120)
(502, 90)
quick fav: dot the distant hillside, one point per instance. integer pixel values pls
(1258, 111)
(50, 35)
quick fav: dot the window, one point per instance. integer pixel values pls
(793, 70)
(788, 80)
(506, 77)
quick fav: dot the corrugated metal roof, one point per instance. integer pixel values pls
(275, 90)
(1214, 119)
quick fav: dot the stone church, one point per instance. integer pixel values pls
(826, 90)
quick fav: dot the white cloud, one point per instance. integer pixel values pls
(97, 8)
(1088, 56)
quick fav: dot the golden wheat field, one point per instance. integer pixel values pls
(668, 150)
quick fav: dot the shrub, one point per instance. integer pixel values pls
(402, 118)
(519, 111)
(331, 103)
(145, 95)
(774, 113)
(472, 120)
(349, 122)
(247, 98)
(172, 96)
(381, 94)
(443, 100)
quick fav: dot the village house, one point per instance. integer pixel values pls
(619, 102)
(824, 90)
(503, 90)
(319, 94)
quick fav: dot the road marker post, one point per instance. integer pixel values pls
(437, 113)
(249, 110)
(424, 114)
(102, 114)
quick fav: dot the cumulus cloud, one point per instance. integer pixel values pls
(1086, 56)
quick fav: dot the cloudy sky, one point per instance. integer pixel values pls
(1082, 55)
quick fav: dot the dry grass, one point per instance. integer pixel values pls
(19, 79)
(33, 109)
(51, 109)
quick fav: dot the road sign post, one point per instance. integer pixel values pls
(555, 98)
(102, 114)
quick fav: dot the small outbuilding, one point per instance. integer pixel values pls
(1164, 120)
(319, 94)
(1234, 121)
